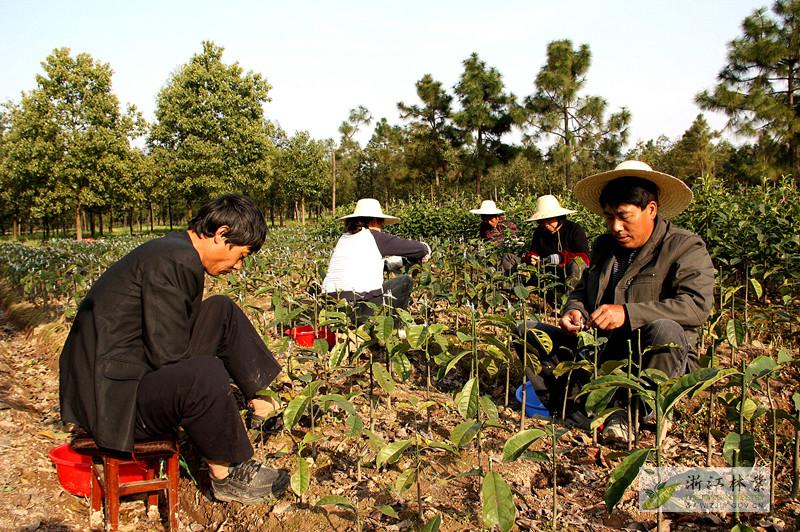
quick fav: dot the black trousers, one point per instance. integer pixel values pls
(196, 393)
(673, 361)
(395, 293)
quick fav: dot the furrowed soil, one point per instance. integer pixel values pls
(31, 497)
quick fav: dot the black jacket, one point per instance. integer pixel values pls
(136, 318)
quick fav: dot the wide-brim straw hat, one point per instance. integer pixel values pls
(673, 194)
(547, 206)
(370, 208)
(487, 207)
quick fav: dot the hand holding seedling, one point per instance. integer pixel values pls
(607, 317)
(571, 322)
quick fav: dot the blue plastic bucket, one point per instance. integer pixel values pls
(534, 407)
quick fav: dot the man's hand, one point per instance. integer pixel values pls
(571, 322)
(608, 317)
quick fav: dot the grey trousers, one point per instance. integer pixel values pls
(673, 361)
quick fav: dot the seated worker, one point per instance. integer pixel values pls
(355, 271)
(146, 353)
(557, 241)
(648, 278)
(493, 224)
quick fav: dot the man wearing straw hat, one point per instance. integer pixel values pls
(493, 224)
(557, 241)
(650, 282)
(355, 271)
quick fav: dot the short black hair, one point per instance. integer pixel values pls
(628, 189)
(240, 213)
(354, 225)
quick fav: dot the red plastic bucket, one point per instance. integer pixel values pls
(305, 335)
(74, 470)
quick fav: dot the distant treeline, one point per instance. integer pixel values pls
(73, 161)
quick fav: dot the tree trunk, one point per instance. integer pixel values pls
(111, 221)
(169, 210)
(333, 180)
(479, 166)
(302, 208)
(78, 229)
(139, 216)
(568, 143)
(91, 222)
(130, 220)
(150, 206)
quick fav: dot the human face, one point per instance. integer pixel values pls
(630, 225)
(491, 219)
(220, 257)
(550, 224)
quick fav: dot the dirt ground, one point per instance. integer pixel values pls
(31, 497)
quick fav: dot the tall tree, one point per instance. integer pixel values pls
(209, 135)
(349, 155)
(487, 113)
(759, 87)
(432, 135)
(302, 171)
(694, 153)
(384, 168)
(69, 141)
(577, 122)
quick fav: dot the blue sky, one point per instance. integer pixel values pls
(324, 58)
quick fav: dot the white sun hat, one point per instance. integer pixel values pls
(487, 207)
(673, 194)
(370, 208)
(547, 206)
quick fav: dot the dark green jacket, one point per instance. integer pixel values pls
(672, 277)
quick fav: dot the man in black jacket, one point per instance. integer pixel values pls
(146, 353)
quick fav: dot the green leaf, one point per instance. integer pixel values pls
(684, 385)
(742, 527)
(571, 365)
(734, 333)
(453, 361)
(338, 500)
(744, 444)
(796, 401)
(598, 400)
(416, 335)
(385, 380)
(464, 337)
(498, 502)
(355, 425)
(301, 477)
(759, 367)
(337, 354)
(294, 411)
(311, 389)
(405, 480)
(432, 525)
(623, 476)
(391, 453)
(384, 325)
(401, 366)
(756, 288)
(662, 494)
(489, 408)
(339, 400)
(463, 433)
(467, 400)
(600, 418)
(389, 511)
(519, 443)
(521, 292)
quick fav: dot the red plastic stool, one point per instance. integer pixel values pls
(105, 478)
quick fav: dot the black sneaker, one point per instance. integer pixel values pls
(250, 482)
